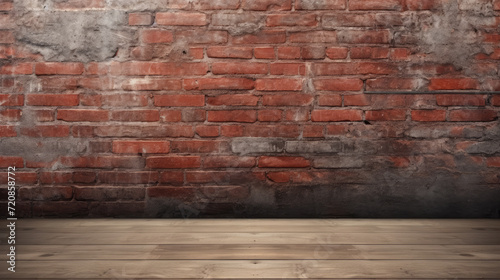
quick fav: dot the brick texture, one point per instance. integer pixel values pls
(252, 108)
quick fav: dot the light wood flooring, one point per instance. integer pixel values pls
(253, 249)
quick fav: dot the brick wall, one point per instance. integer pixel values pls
(239, 108)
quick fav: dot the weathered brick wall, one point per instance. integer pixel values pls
(239, 108)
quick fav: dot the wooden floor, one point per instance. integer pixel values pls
(254, 249)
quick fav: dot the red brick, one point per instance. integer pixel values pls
(356, 100)
(182, 19)
(263, 37)
(228, 162)
(152, 84)
(291, 99)
(136, 116)
(460, 100)
(473, 116)
(248, 116)
(218, 83)
(496, 5)
(288, 69)
(336, 129)
(83, 177)
(314, 37)
(140, 147)
(291, 20)
(202, 36)
(300, 114)
(386, 115)
(369, 53)
(453, 84)
(100, 83)
(156, 36)
(53, 99)
(313, 131)
(58, 83)
(173, 162)
(493, 162)
(229, 52)
(91, 100)
(269, 115)
(6, 6)
(331, 100)
(194, 115)
(16, 69)
(171, 116)
(204, 5)
(400, 54)
(103, 162)
(182, 100)
(136, 177)
(375, 5)
(207, 131)
(11, 100)
(336, 115)
(196, 53)
(124, 100)
(392, 84)
(313, 52)
(320, 4)
(495, 100)
(6, 37)
(285, 131)
(239, 68)
(428, 115)
(267, 5)
(198, 146)
(418, 5)
(172, 177)
(338, 84)
(279, 177)
(278, 84)
(10, 115)
(363, 36)
(11, 161)
(140, 19)
(288, 52)
(55, 177)
(162, 68)
(337, 52)
(264, 53)
(82, 115)
(46, 131)
(283, 162)
(59, 68)
(233, 100)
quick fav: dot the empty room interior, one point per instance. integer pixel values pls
(249, 139)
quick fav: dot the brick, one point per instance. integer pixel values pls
(100, 83)
(337, 52)
(496, 5)
(320, 4)
(140, 84)
(228, 162)
(233, 100)
(232, 130)
(84, 177)
(331, 100)
(354, 68)
(472, 116)
(313, 131)
(493, 162)
(17, 162)
(364, 36)
(453, 84)
(193, 115)
(333, 21)
(6, 37)
(181, 100)
(102, 162)
(59, 68)
(55, 177)
(229, 52)
(419, 5)
(140, 147)
(162, 68)
(171, 116)
(336, 115)
(428, 115)
(124, 100)
(136, 116)
(52, 99)
(283, 162)
(46, 131)
(269, 115)
(399, 53)
(135, 177)
(108, 193)
(375, 5)
(248, 116)
(290, 99)
(386, 115)
(278, 84)
(264, 53)
(300, 114)
(10, 115)
(16, 69)
(357, 100)
(7, 131)
(263, 37)
(6, 21)
(240, 19)
(291, 20)
(204, 5)
(198, 146)
(44, 115)
(207, 131)
(172, 177)
(218, 83)
(338, 162)
(11, 100)
(82, 115)
(140, 19)
(219, 68)
(267, 5)
(460, 100)
(156, 36)
(181, 19)
(202, 36)
(314, 37)
(495, 100)
(288, 69)
(338, 84)
(284, 131)
(91, 100)
(313, 52)
(6, 6)
(173, 162)
(288, 52)
(244, 146)
(196, 53)
(369, 53)
(393, 84)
